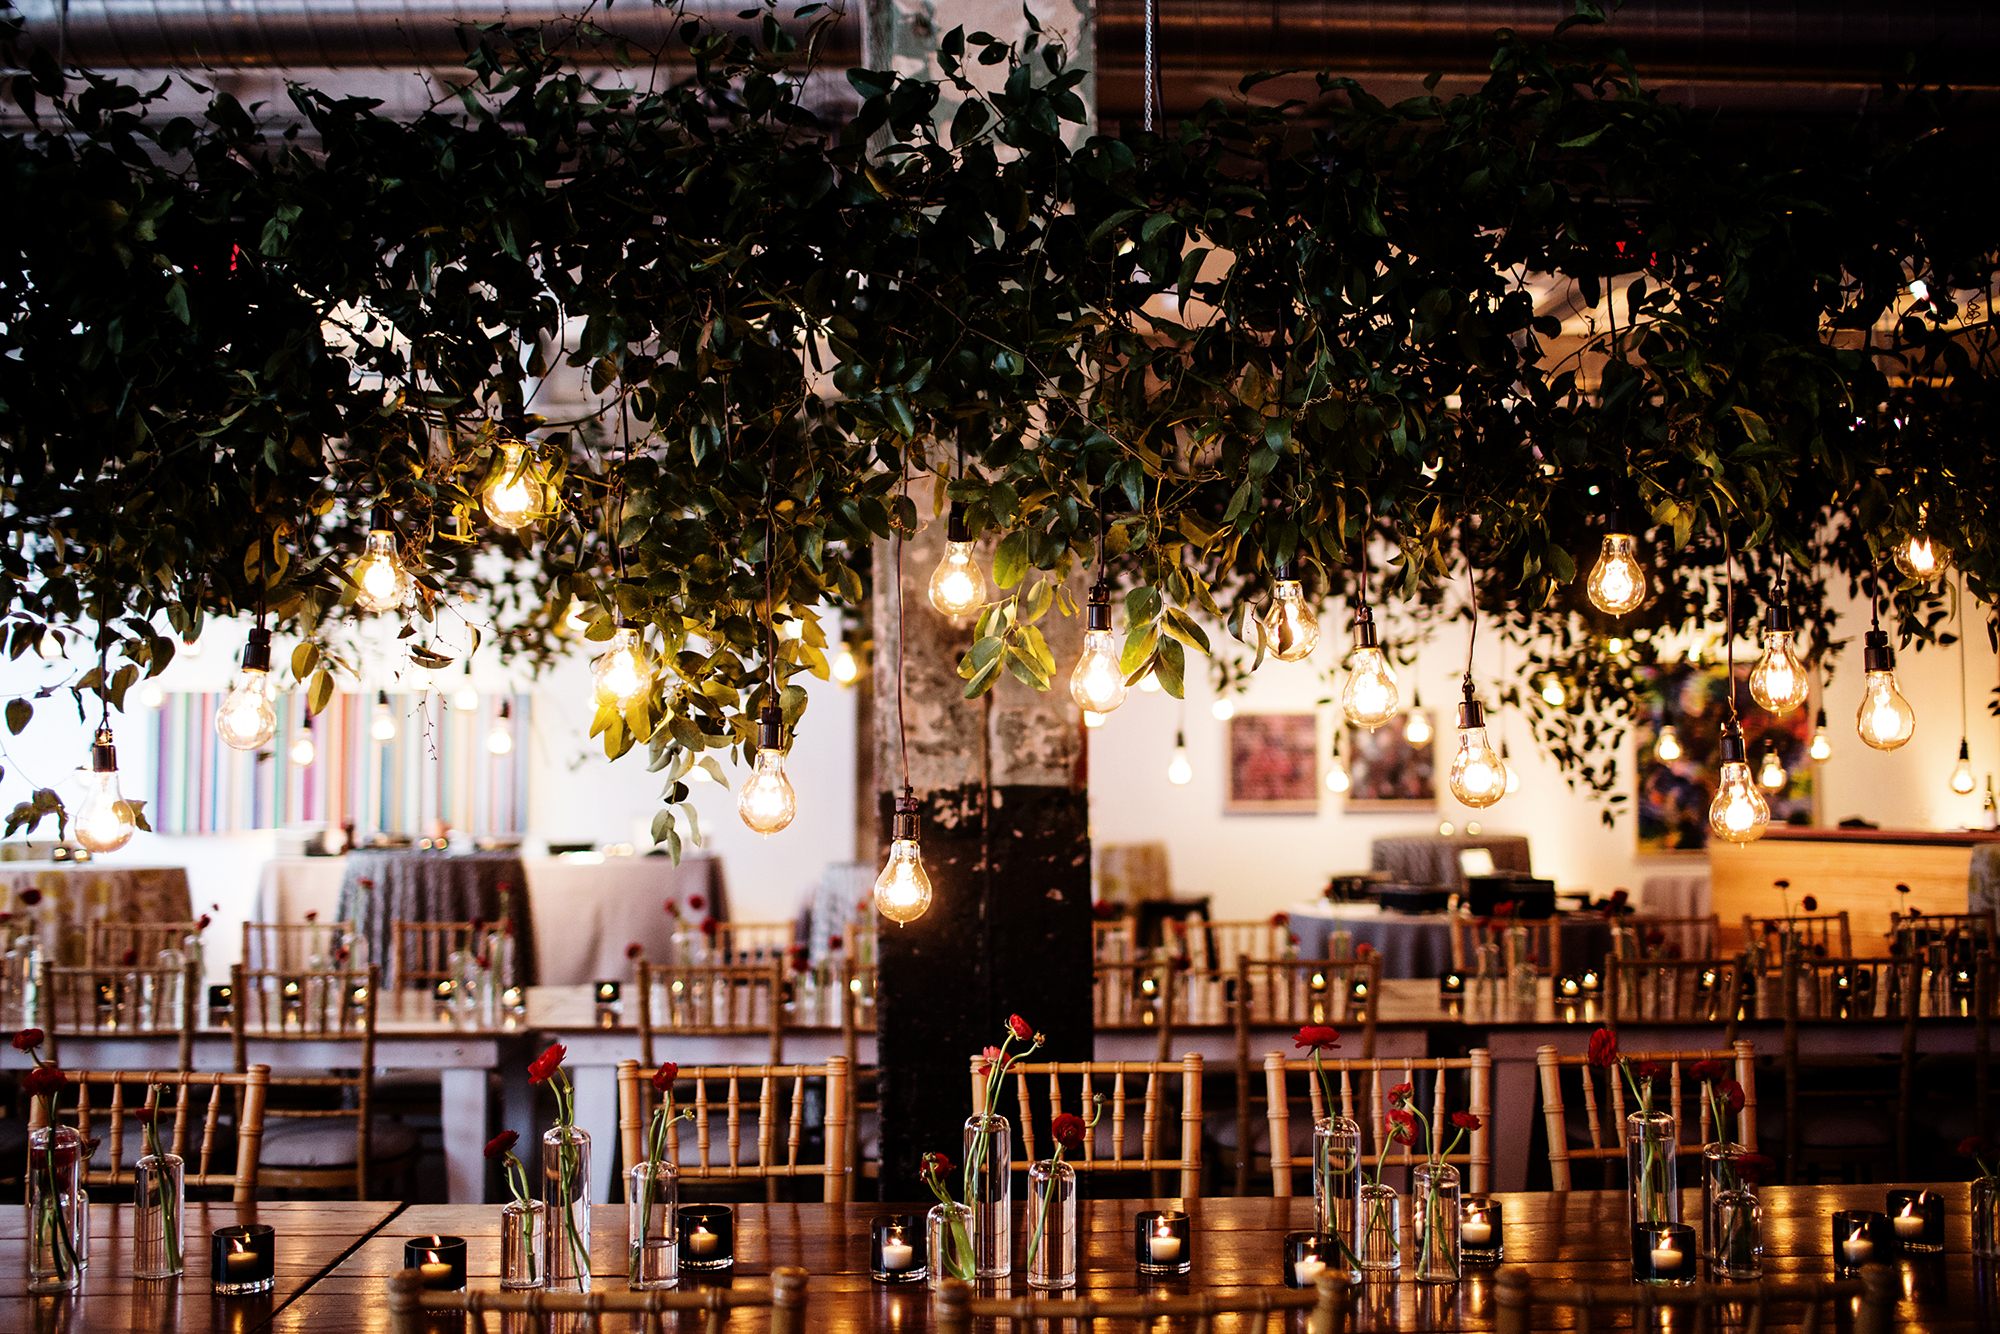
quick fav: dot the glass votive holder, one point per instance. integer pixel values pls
(1860, 1237)
(1917, 1217)
(1664, 1253)
(1590, 981)
(1307, 1256)
(896, 1249)
(440, 1260)
(1451, 983)
(1568, 989)
(242, 1260)
(708, 1237)
(1479, 1229)
(1163, 1242)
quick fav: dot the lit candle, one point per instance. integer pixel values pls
(1909, 1227)
(1857, 1250)
(1307, 1271)
(1475, 1234)
(897, 1255)
(1666, 1260)
(703, 1242)
(1166, 1246)
(241, 1266)
(436, 1275)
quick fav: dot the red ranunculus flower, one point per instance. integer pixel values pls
(503, 1142)
(201, 923)
(1465, 1120)
(1732, 1096)
(935, 1165)
(696, 903)
(1399, 1096)
(31, 897)
(145, 1116)
(1402, 1127)
(664, 1077)
(1068, 1130)
(43, 1081)
(1317, 1038)
(708, 925)
(28, 1039)
(1809, 903)
(1972, 1146)
(130, 958)
(1504, 909)
(1603, 1048)
(1020, 1028)
(1620, 897)
(1648, 1070)
(634, 950)
(1756, 1168)
(478, 925)
(1281, 919)
(545, 1065)
(835, 942)
(1706, 1071)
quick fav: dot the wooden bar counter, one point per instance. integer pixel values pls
(1855, 870)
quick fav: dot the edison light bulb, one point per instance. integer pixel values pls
(1418, 731)
(465, 699)
(1553, 693)
(381, 583)
(903, 890)
(1478, 778)
(957, 586)
(513, 494)
(1091, 718)
(1822, 747)
(1668, 747)
(1179, 772)
(151, 696)
(1771, 777)
(1885, 719)
(303, 750)
(1739, 813)
(1778, 681)
(1336, 777)
(1291, 629)
(246, 719)
(625, 672)
(104, 822)
(1223, 709)
(1962, 781)
(383, 728)
(1097, 684)
(1917, 558)
(500, 740)
(1369, 697)
(1617, 584)
(845, 668)
(766, 802)
(1513, 777)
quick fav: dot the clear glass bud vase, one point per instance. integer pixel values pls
(989, 1190)
(1652, 1169)
(524, 1245)
(159, 1191)
(1719, 1172)
(652, 1194)
(566, 1190)
(1735, 1224)
(1434, 1202)
(948, 1234)
(1378, 1229)
(1051, 1225)
(55, 1209)
(1336, 1151)
(1986, 1217)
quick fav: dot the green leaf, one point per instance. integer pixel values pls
(1010, 559)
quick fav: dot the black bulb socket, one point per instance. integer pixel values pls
(954, 524)
(1876, 655)
(381, 519)
(625, 622)
(1732, 751)
(103, 755)
(1284, 573)
(257, 651)
(1820, 722)
(904, 828)
(1964, 750)
(1364, 627)
(1471, 713)
(771, 728)
(1099, 611)
(382, 698)
(1778, 617)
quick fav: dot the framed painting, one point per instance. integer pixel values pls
(1675, 789)
(1273, 764)
(1388, 772)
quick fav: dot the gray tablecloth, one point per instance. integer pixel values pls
(1982, 888)
(1432, 859)
(1419, 944)
(383, 887)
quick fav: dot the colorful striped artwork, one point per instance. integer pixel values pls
(437, 771)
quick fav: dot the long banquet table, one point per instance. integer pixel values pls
(1580, 1237)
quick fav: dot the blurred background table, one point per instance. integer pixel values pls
(1419, 944)
(75, 894)
(1432, 859)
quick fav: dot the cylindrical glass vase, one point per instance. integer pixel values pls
(948, 1240)
(1378, 1229)
(566, 1190)
(158, 1193)
(1652, 1169)
(989, 1189)
(1434, 1201)
(653, 1199)
(1736, 1230)
(1336, 1151)
(1986, 1217)
(55, 1209)
(524, 1245)
(1051, 1225)
(1719, 1172)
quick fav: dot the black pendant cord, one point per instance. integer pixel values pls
(1729, 624)
(902, 729)
(1153, 99)
(1964, 722)
(770, 557)
(1471, 640)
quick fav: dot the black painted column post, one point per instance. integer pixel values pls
(1005, 830)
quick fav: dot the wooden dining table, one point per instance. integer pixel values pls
(1579, 1237)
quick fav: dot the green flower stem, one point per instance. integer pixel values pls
(169, 1209)
(567, 1170)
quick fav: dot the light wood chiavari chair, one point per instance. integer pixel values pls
(293, 947)
(420, 952)
(1225, 942)
(244, 1134)
(1911, 932)
(109, 942)
(1673, 991)
(753, 942)
(1605, 1117)
(778, 1105)
(1544, 941)
(1115, 1127)
(1115, 940)
(711, 1000)
(1370, 1082)
(1284, 993)
(1692, 937)
(101, 1002)
(1824, 935)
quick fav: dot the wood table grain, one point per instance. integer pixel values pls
(1580, 1237)
(312, 1239)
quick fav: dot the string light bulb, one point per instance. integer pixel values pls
(1962, 781)
(958, 586)
(1098, 683)
(1478, 776)
(104, 822)
(1885, 719)
(1337, 777)
(304, 752)
(1418, 730)
(1778, 682)
(1772, 777)
(767, 802)
(1617, 583)
(1822, 745)
(1668, 747)
(151, 696)
(1369, 697)
(383, 728)
(625, 671)
(1291, 627)
(1553, 693)
(903, 890)
(500, 740)
(381, 581)
(1915, 556)
(1739, 813)
(1150, 682)
(846, 668)
(246, 719)
(1179, 772)
(515, 495)
(1507, 763)
(1223, 709)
